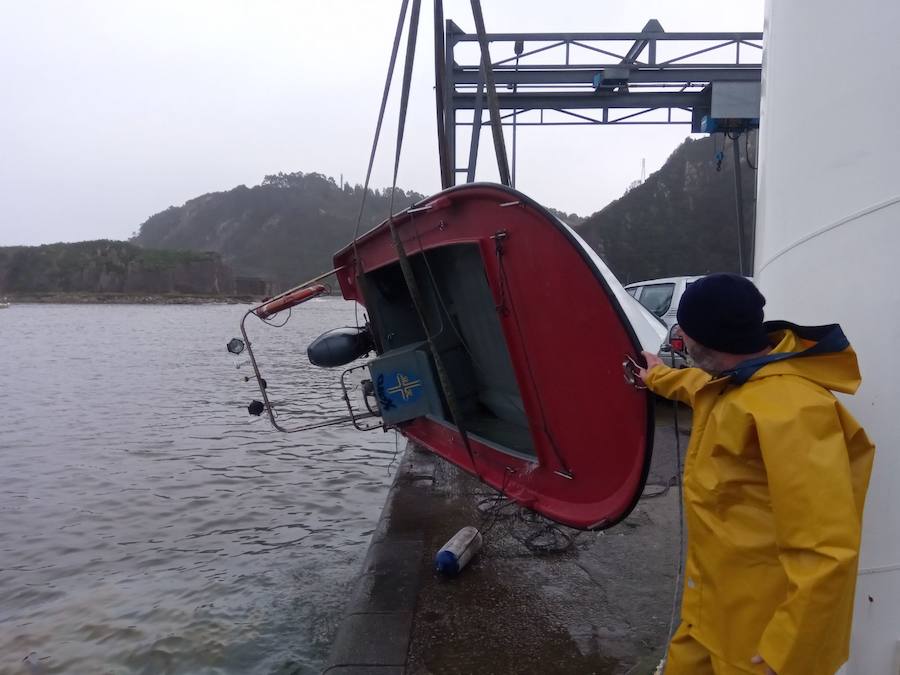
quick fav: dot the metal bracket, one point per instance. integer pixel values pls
(258, 312)
(631, 368)
(354, 416)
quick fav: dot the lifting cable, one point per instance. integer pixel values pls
(738, 201)
(405, 266)
(679, 478)
(755, 200)
(738, 193)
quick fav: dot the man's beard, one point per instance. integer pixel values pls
(698, 357)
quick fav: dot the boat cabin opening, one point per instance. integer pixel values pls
(461, 315)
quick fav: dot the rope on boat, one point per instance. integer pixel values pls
(507, 306)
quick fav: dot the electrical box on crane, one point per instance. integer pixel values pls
(734, 106)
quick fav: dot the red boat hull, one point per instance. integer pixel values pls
(567, 336)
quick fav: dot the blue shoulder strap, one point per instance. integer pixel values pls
(829, 339)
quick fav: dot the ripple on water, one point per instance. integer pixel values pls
(149, 524)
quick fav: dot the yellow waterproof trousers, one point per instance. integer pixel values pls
(686, 656)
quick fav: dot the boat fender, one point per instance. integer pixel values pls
(288, 300)
(457, 552)
(340, 346)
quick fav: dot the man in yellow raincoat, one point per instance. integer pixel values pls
(775, 478)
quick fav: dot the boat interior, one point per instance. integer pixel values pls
(462, 318)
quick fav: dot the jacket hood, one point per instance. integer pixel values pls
(821, 354)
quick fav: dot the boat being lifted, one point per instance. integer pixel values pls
(503, 344)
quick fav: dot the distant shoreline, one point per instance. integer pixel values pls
(128, 299)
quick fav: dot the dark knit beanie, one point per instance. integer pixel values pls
(724, 312)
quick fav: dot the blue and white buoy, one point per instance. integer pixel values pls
(457, 552)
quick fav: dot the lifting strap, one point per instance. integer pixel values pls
(405, 266)
(384, 98)
(448, 164)
(493, 101)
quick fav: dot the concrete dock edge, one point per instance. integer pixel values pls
(374, 635)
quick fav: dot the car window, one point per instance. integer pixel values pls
(657, 298)
(633, 291)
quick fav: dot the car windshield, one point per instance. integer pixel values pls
(657, 298)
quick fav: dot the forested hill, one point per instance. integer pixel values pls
(681, 220)
(111, 267)
(285, 230)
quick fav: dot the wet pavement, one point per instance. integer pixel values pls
(537, 599)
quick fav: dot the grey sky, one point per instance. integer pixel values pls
(116, 110)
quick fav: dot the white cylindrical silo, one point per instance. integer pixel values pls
(828, 244)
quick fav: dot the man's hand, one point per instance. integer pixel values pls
(652, 361)
(756, 660)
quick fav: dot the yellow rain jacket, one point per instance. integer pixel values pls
(775, 478)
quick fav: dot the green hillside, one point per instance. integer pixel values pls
(285, 230)
(681, 221)
(105, 266)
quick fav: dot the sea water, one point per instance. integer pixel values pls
(148, 524)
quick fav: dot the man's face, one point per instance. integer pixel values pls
(700, 356)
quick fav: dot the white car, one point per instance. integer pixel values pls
(661, 296)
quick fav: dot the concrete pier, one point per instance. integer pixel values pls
(537, 599)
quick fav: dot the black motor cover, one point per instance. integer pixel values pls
(339, 346)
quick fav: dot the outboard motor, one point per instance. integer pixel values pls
(340, 346)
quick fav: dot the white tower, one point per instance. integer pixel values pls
(828, 244)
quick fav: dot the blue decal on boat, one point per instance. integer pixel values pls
(401, 388)
(383, 399)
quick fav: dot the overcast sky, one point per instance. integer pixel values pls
(113, 111)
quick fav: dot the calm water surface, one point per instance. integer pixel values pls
(148, 524)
